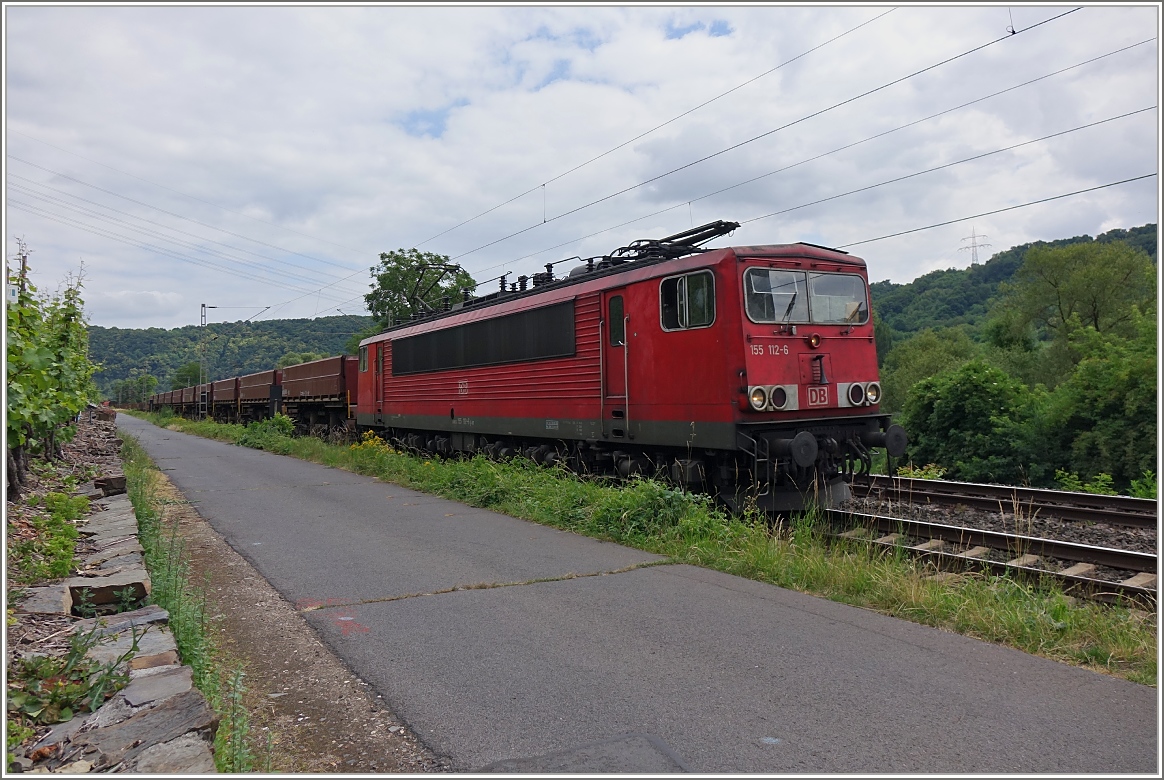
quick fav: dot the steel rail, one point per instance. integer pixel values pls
(1117, 510)
(1019, 545)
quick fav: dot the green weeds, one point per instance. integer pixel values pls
(48, 553)
(44, 689)
(169, 568)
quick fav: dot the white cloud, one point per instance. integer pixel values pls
(310, 139)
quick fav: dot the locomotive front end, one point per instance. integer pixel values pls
(808, 409)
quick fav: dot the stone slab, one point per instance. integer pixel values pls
(167, 658)
(114, 624)
(89, 491)
(113, 538)
(158, 686)
(105, 590)
(183, 714)
(138, 674)
(122, 563)
(48, 600)
(108, 512)
(121, 524)
(628, 754)
(60, 732)
(153, 641)
(111, 485)
(112, 502)
(111, 551)
(186, 755)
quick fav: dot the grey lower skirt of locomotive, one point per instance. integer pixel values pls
(789, 467)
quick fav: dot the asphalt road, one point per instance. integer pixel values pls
(562, 653)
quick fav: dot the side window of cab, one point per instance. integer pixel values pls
(687, 301)
(363, 358)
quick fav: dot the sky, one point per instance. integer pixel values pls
(258, 159)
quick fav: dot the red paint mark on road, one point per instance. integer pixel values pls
(346, 623)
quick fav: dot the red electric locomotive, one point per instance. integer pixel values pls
(747, 370)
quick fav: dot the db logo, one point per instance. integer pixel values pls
(818, 396)
(463, 387)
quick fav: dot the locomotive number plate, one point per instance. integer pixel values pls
(818, 396)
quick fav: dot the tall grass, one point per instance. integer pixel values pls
(1035, 617)
(169, 569)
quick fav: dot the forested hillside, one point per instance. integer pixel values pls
(962, 296)
(230, 348)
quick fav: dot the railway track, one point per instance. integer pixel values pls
(1083, 570)
(1083, 507)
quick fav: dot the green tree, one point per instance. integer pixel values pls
(883, 338)
(295, 358)
(187, 376)
(926, 354)
(408, 281)
(978, 423)
(1103, 417)
(135, 390)
(1098, 283)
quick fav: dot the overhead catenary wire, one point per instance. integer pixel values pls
(997, 211)
(154, 234)
(136, 217)
(644, 134)
(992, 212)
(762, 135)
(946, 165)
(174, 214)
(819, 156)
(186, 194)
(928, 170)
(105, 233)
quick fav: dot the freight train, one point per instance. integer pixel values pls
(748, 371)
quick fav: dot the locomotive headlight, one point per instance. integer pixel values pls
(758, 398)
(813, 340)
(779, 397)
(857, 394)
(873, 392)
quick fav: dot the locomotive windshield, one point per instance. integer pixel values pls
(778, 296)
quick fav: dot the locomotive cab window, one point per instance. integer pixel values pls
(771, 295)
(687, 301)
(777, 296)
(838, 298)
(363, 358)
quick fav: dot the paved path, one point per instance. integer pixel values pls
(589, 659)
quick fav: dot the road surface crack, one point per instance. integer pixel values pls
(311, 605)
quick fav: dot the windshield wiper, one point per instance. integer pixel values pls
(788, 311)
(851, 319)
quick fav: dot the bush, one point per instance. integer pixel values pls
(978, 423)
(273, 434)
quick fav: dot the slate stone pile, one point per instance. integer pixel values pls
(159, 723)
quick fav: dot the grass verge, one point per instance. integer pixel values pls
(218, 677)
(1037, 618)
